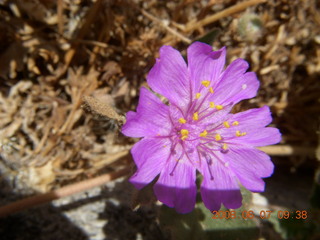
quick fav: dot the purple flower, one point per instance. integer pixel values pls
(196, 131)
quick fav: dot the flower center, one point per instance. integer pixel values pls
(215, 135)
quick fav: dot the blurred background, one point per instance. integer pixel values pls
(53, 54)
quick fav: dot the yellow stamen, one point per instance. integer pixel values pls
(211, 90)
(195, 116)
(219, 107)
(238, 134)
(224, 146)
(218, 137)
(226, 124)
(184, 138)
(205, 83)
(204, 133)
(182, 120)
(235, 123)
(212, 104)
(198, 95)
(184, 133)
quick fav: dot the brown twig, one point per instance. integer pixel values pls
(60, 193)
(224, 13)
(288, 150)
(169, 29)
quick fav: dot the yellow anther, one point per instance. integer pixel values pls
(212, 104)
(182, 120)
(235, 123)
(219, 107)
(218, 137)
(204, 133)
(226, 124)
(195, 116)
(238, 134)
(205, 83)
(211, 90)
(184, 132)
(198, 95)
(224, 146)
(184, 138)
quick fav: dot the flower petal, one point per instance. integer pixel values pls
(250, 181)
(205, 64)
(252, 122)
(249, 160)
(259, 137)
(221, 189)
(236, 84)
(249, 165)
(254, 118)
(176, 186)
(150, 156)
(169, 77)
(151, 118)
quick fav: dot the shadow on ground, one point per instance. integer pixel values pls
(125, 223)
(42, 223)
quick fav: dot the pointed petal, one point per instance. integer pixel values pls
(169, 77)
(150, 156)
(236, 84)
(176, 186)
(221, 188)
(151, 118)
(205, 64)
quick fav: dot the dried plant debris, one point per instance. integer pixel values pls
(103, 109)
(59, 59)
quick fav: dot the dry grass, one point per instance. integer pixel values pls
(55, 54)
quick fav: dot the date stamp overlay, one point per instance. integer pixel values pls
(263, 214)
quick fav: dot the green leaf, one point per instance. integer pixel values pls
(210, 36)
